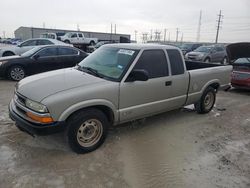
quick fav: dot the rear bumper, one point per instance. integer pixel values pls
(35, 128)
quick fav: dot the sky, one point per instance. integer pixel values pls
(129, 16)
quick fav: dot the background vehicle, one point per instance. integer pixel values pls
(239, 54)
(52, 35)
(213, 53)
(98, 45)
(40, 59)
(78, 38)
(188, 47)
(115, 84)
(27, 45)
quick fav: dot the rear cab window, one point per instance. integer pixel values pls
(154, 62)
(176, 62)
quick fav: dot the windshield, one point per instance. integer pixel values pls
(186, 46)
(242, 61)
(203, 49)
(30, 52)
(109, 62)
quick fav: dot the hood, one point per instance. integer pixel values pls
(196, 53)
(42, 85)
(238, 50)
(10, 57)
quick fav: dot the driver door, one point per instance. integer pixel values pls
(141, 98)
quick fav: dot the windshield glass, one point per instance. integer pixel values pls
(30, 52)
(109, 62)
(242, 61)
(203, 49)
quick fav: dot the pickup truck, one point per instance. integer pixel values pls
(117, 83)
(78, 38)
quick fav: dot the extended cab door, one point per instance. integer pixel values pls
(179, 77)
(142, 98)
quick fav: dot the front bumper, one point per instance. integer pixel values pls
(34, 128)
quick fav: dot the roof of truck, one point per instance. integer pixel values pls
(141, 46)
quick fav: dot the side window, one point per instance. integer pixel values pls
(74, 35)
(47, 52)
(80, 35)
(44, 42)
(176, 62)
(219, 49)
(67, 51)
(153, 61)
(29, 43)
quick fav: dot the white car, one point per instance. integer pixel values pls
(27, 45)
(78, 38)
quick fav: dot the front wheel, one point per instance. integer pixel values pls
(206, 102)
(92, 43)
(16, 73)
(87, 130)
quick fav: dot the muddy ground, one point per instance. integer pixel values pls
(175, 149)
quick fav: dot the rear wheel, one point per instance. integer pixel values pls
(92, 43)
(16, 73)
(206, 102)
(87, 130)
(67, 41)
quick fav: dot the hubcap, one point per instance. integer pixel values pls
(17, 73)
(89, 133)
(209, 100)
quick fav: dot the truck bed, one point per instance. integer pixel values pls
(193, 65)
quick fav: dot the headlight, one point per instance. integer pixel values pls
(35, 106)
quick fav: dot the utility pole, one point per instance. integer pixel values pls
(115, 28)
(135, 36)
(199, 28)
(169, 36)
(111, 31)
(181, 37)
(165, 32)
(177, 33)
(218, 26)
(4, 34)
(151, 35)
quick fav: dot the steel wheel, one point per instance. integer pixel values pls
(209, 100)
(89, 133)
(17, 73)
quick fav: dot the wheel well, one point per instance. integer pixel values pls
(207, 58)
(8, 52)
(106, 110)
(215, 86)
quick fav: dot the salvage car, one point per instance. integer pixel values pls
(239, 54)
(115, 84)
(40, 59)
(27, 45)
(213, 53)
(189, 47)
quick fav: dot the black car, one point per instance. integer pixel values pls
(189, 47)
(40, 59)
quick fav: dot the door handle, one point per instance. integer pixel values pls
(168, 83)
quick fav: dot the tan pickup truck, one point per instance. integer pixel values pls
(117, 83)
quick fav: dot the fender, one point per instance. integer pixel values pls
(89, 103)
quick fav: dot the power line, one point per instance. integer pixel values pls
(218, 27)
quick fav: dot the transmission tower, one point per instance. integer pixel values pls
(199, 28)
(144, 37)
(220, 16)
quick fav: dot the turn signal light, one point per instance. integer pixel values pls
(39, 118)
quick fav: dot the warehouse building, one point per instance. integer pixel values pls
(25, 33)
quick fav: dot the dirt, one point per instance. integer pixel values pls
(175, 149)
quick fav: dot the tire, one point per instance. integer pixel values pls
(224, 61)
(92, 43)
(8, 54)
(16, 73)
(207, 60)
(87, 130)
(67, 41)
(206, 102)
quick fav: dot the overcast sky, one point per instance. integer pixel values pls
(130, 15)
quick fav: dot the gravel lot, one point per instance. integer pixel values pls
(175, 149)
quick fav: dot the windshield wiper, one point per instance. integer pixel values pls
(90, 70)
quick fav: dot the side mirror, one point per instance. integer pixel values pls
(137, 75)
(36, 56)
